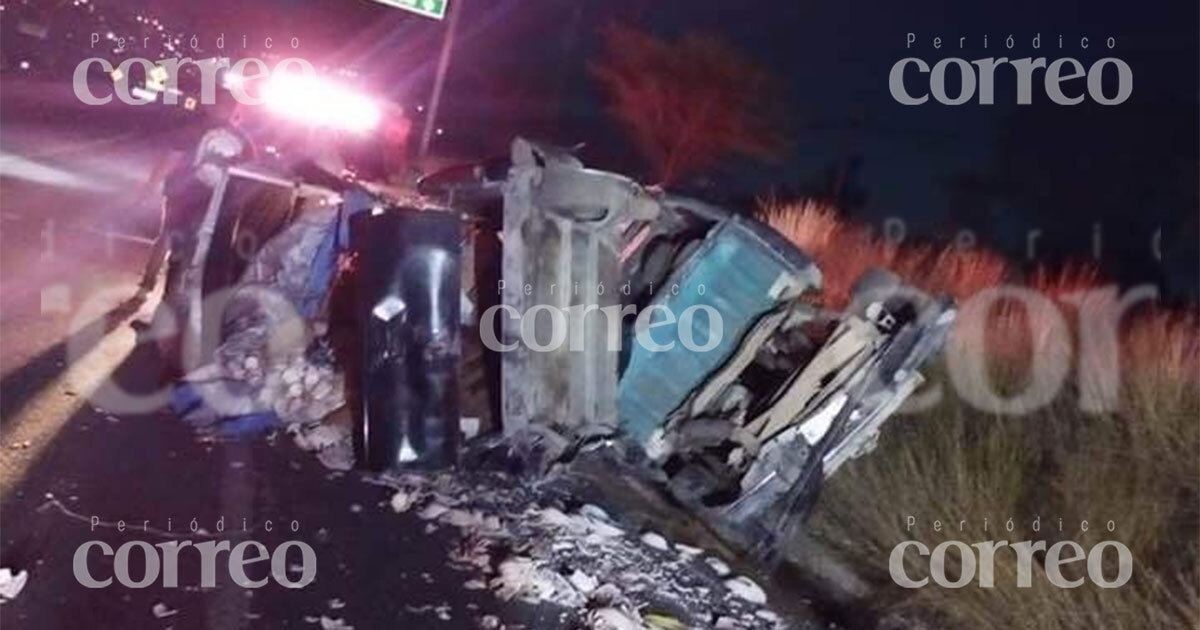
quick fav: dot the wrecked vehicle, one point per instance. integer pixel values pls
(741, 431)
(744, 432)
(726, 386)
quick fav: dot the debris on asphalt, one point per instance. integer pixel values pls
(11, 584)
(656, 621)
(402, 501)
(745, 588)
(331, 439)
(525, 544)
(330, 623)
(433, 511)
(613, 619)
(583, 582)
(655, 541)
(718, 567)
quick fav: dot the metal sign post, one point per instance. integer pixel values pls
(435, 9)
(439, 81)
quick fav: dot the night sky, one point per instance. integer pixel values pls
(1001, 170)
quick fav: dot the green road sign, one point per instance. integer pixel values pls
(435, 9)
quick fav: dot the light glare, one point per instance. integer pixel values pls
(321, 103)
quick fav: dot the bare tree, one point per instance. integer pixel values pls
(689, 103)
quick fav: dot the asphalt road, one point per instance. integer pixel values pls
(73, 233)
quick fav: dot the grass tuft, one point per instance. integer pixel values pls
(950, 460)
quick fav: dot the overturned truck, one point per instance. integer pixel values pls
(671, 339)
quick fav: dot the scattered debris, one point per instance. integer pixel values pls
(727, 623)
(595, 512)
(583, 582)
(331, 439)
(329, 623)
(767, 616)
(432, 511)
(522, 543)
(10, 584)
(470, 427)
(338, 458)
(613, 619)
(718, 566)
(402, 501)
(655, 541)
(745, 588)
(522, 578)
(606, 595)
(659, 621)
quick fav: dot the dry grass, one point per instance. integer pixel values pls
(953, 462)
(845, 251)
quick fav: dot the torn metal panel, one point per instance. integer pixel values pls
(835, 364)
(894, 376)
(566, 235)
(704, 398)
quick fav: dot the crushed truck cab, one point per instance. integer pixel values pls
(771, 393)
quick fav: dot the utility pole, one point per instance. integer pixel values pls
(435, 99)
